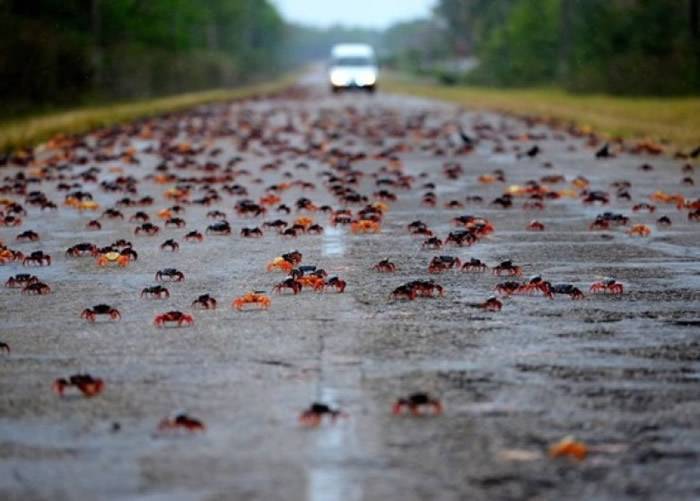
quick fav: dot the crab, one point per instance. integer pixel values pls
(315, 229)
(474, 266)
(508, 288)
(507, 268)
(36, 289)
(90, 314)
(112, 257)
(10, 220)
(255, 298)
(314, 281)
(639, 230)
(219, 228)
(281, 264)
(87, 385)
(443, 263)
(336, 282)
(314, 414)
(536, 283)
(384, 266)
(569, 447)
(173, 317)
(432, 243)
(216, 214)
(175, 222)
(37, 258)
(288, 283)
(194, 236)
(427, 288)
(169, 275)
(129, 253)
(492, 304)
(181, 422)
(568, 289)
(664, 221)
(112, 214)
(535, 225)
(27, 236)
(204, 302)
(139, 217)
(147, 228)
(607, 286)
(157, 291)
(365, 226)
(170, 245)
(93, 225)
(81, 249)
(405, 291)
(251, 232)
(417, 404)
(644, 207)
(21, 280)
(461, 238)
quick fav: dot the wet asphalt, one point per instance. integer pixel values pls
(620, 374)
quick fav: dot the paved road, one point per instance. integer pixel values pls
(618, 373)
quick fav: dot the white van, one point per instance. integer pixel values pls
(353, 66)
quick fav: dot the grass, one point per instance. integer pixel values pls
(33, 130)
(674, 120)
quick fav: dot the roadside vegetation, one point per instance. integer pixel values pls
(674, 120)
(28, 131)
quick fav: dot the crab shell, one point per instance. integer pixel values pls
(281, 264)
(252, 298)
(365, 226)
(112, 257)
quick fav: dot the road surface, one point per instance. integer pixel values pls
(619, 373)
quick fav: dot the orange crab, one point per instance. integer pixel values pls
(570, 447)
(316, 283)
(112, 258)
(256, 298)
(639, 230)
(270, 200)
(280, 264)
(304, 221)
(365, 226)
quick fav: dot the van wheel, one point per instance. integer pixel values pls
(335, 90)
(371, 89)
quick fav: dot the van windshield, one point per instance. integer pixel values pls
(353, 61)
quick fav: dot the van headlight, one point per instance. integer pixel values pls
(338, 78)
(368, 79)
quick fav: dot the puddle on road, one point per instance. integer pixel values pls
(333, 242)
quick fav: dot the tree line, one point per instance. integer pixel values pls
(66, 51)
(612, 46)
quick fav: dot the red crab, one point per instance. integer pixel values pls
(85, 383)
(173, 316)
(170, 245)
(27, 236)
(93, 225)
(147, 228)
(194, 236)
(536, 283)
(492, 304)
(181, 422)
(507, 268)
(37, 258)
(157, 291)
(535, 225)
(36, 289)
(289, 283)
(474, 266)
(443, 263)
(313, 416)
(21, 280)
(417, 404)
(384, 266)
(205, 302)
(169, 275)
(607, 286)
(90, 314)
(405, 291)
(336, 282)
(508, 288)
(256, 298)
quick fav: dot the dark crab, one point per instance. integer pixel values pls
(204, 302)
(157, 291)
(444, 263)
(418, 404)
(314, 414)
(169, 275)
(90, 314)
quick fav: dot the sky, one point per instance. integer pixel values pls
(364, 13)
